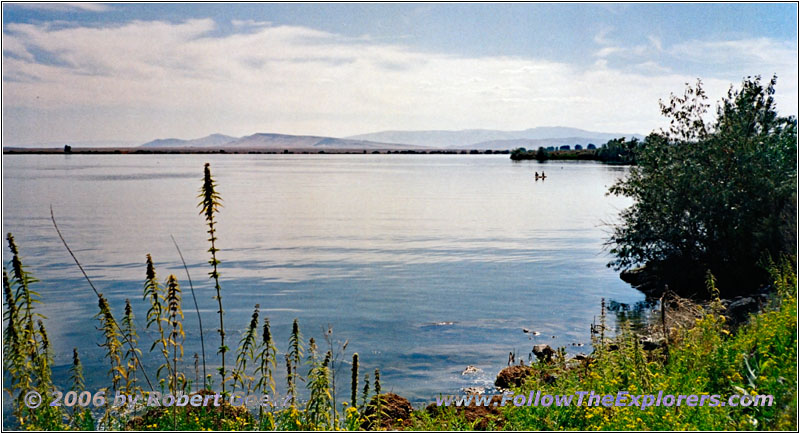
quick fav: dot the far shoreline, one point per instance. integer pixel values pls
(559, 155)
(146, 151)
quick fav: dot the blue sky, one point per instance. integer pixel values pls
(134, 72)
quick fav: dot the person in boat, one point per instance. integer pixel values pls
(536, 174)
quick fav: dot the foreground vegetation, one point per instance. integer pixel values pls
(701, 353)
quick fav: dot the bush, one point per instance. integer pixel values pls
(619, 151)
(717, 196)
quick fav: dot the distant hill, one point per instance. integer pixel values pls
(397, 140)
(286, 141)
(214, 140)
(468, 139)
(271, 141)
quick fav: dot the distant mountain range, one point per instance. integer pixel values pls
(434, 139)
(495, 139)
(482, 139)
(285, 141)
(213, 140)
(273, 142)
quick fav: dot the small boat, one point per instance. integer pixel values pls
(538, 177)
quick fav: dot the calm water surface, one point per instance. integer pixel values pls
(423, 263)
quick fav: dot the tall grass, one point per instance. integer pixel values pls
(354, 381)
(130, 358)
(26, 347)
(267, 360)
(245, 353)
(78, 419)
(293, 357)
(157, 317)
(111, 343)
(209, 206)
(176, 335)
(320, 401)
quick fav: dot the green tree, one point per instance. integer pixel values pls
(715, 196)
(619, 151)
(519, 154)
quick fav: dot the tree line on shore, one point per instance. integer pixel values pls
(615, 151)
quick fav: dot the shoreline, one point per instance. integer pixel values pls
(143, 151)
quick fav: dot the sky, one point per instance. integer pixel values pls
(113, 73)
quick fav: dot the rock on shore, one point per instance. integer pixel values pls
(512, 376)
(395, 412)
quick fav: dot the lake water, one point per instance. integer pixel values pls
(424, 263)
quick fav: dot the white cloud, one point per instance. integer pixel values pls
(142, 80)
(749, 57)
(623, 52)
(250, 23)
(652, 67)
(61, 6)
(764, 51)
(15, 47)
(655, 41)
(608, 51)
(609, 47)
(601, 37)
